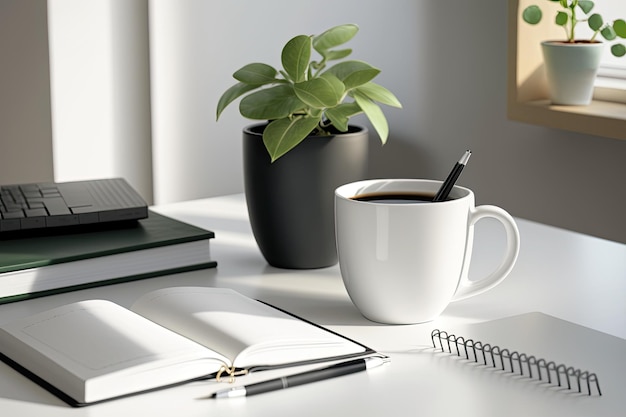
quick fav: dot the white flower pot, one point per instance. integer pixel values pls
(571, 70)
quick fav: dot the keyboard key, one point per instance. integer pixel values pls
(39, 212)
(7, 225)
(33, 222)
(67, 220)
(56, 206)
(32, 194)
(82, 209)
(88, 218)
(48, 188)
(13, 214)
(14, 206)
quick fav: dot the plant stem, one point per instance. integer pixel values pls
(573, 23)
(320, 67)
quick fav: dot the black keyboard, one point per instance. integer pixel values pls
(56, 205)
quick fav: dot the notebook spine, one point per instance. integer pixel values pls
(513, 362)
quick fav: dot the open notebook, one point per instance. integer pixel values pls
(95, 350)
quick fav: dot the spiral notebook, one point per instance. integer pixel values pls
(542, 337)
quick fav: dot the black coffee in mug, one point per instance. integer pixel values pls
(397, 197)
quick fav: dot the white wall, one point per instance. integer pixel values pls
(445, 60)
(25, 123)
(193, 156)
(556, 177)
(100, 80)
(196, 46)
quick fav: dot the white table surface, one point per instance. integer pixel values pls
(570, 276)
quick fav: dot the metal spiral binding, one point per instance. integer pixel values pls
(537, 368)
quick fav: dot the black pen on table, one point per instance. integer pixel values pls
(339, 369)
(447, 185)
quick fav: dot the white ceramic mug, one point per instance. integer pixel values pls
(404, 263)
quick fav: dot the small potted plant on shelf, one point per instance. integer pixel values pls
(305, 147)
(572, 63)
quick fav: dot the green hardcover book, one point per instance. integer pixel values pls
(158, 245)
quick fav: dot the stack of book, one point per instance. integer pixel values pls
(158, 245)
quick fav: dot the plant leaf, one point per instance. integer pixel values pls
(270, 103)
(231, 95)
(532, 15)
(561, 18)
(340, 115)
(282, 135)
(618, 50)
(586, 5)
(374, 114)
(333, 37)
(595, 22)
(325, 91)
(608, 33)
(353, 73)
(338, 54)
(620, 28)
(379, 93)
(256, 74)
(295, 57)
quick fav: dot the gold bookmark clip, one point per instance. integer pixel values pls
(231, 372)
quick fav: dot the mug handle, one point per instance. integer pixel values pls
(469, 288)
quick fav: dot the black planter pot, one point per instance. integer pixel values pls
(291, 201)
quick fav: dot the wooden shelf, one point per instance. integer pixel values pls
(527, 87)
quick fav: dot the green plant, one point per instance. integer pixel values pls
(569, 19)
(307, 97)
